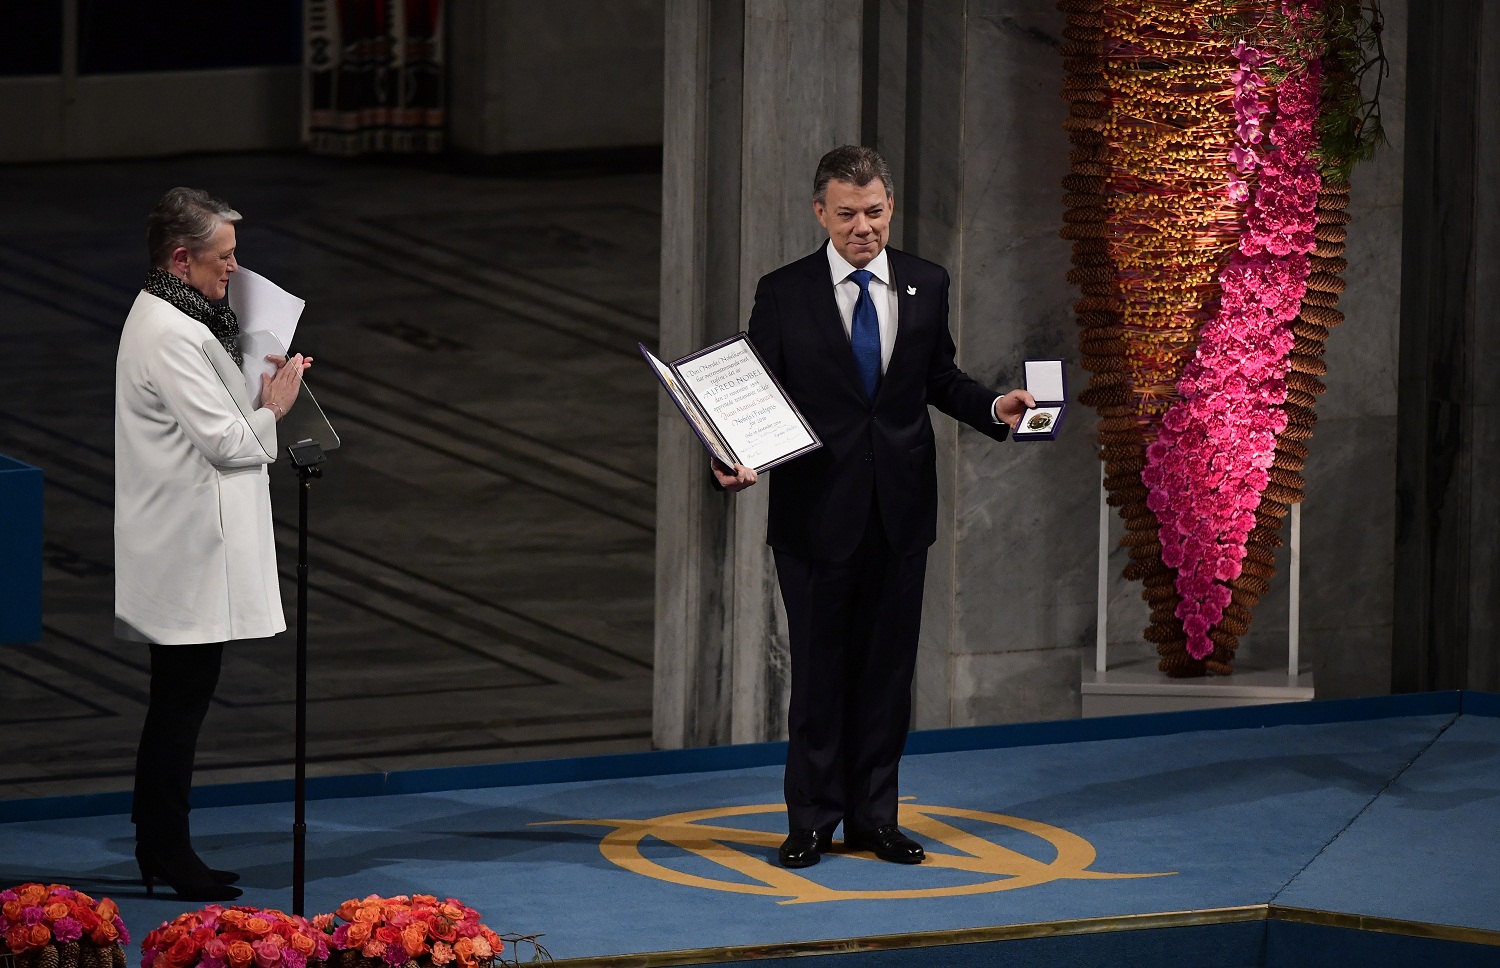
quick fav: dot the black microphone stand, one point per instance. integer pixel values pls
(306, 456)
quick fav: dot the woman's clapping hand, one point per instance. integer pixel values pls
(279, 392)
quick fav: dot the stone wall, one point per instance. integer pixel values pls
(52, 118)
(563, 75)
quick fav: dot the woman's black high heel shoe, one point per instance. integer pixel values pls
(181, 869)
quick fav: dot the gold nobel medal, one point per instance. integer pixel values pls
(1039, 421)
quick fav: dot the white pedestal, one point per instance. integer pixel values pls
(1137, 687)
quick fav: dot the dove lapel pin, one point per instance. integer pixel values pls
(911, 290)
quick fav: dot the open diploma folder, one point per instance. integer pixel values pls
(735, 405)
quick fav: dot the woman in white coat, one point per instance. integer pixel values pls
(195, 557)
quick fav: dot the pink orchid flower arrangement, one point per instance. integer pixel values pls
(1209, 466)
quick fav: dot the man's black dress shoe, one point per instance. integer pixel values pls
(802, 848)
(888, 843)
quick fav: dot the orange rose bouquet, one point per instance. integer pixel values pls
(234, 937)
(415, 932)
(54, 926)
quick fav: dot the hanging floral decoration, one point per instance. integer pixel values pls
(1206, 201)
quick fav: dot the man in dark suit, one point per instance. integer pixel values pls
(858, 335)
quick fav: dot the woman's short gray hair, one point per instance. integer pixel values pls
(184, 217)
(854, 164)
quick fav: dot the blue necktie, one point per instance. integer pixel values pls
(864, 333)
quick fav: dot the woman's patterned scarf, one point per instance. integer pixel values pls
(219, 319)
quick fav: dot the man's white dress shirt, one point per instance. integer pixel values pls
(882, 294)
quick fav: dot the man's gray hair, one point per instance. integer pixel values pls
(854, 164)
(184, 217)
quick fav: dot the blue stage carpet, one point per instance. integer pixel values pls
(1390, 817)
(1428, 849)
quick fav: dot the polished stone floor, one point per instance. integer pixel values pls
(482, 544)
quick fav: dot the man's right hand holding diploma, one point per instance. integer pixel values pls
(741, 478)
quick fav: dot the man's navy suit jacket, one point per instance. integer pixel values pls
(880, 449)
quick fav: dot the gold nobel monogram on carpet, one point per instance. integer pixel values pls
(711, 835)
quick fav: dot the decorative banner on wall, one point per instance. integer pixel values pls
(374, 76)
(1212, 144)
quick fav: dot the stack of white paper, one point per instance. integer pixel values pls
(268, 316)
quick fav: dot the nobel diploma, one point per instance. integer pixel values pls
(735, 405)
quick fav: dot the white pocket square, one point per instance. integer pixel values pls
(911, 290)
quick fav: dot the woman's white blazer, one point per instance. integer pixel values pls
(195, 555)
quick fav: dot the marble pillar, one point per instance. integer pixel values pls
(1483, 660)
(1349, 518)
(699, 303)
(757, 92)
(1011, 591)
(1447, 583)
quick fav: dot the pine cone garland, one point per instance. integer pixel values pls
(1180, 665)
(1308, 364)
(1308, 329)
(1324, 316)
(1305, 383)
(1266, 537)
